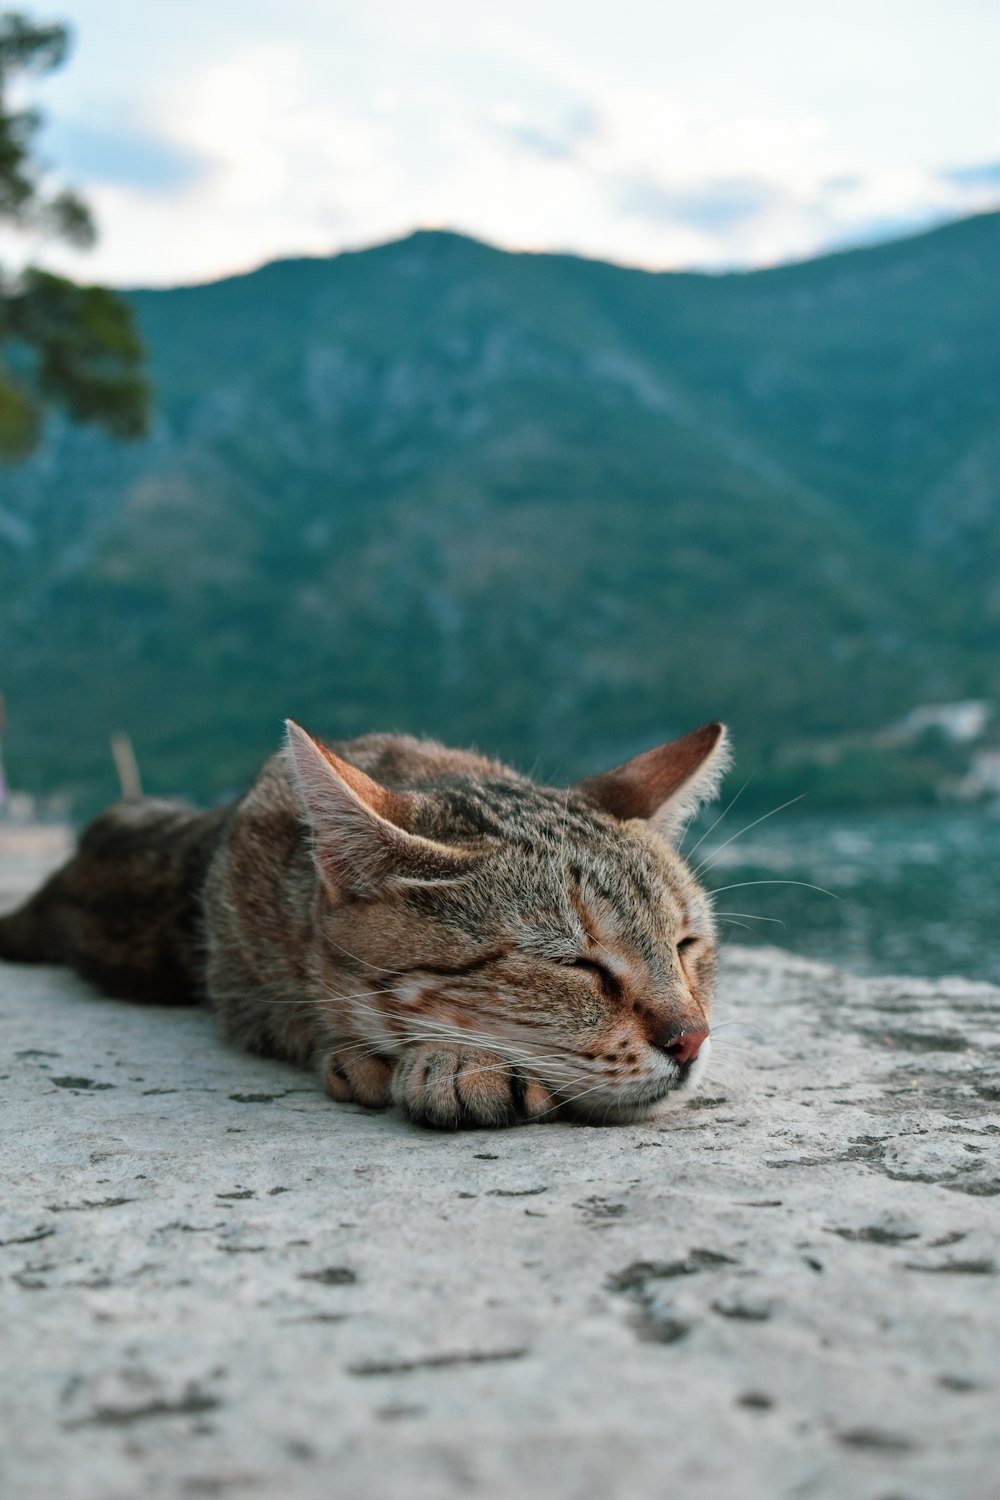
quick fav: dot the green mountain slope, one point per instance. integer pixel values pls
(551, 506)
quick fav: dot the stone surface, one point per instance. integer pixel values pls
(215, 1282)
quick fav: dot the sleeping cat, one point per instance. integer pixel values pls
(422, 925)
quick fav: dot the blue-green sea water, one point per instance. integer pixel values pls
(914, 892)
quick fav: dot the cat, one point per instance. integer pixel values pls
(424, 926)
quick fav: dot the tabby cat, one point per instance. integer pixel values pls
(424, 926)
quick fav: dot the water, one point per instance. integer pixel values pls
(915, 892)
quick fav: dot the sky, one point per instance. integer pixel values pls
(210, 136)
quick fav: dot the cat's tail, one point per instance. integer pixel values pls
(30, 935)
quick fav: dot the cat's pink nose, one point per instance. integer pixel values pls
(683, 1046)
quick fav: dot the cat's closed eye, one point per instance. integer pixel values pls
(604, 976)
(688, 949)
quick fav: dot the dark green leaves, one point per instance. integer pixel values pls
(60, 344)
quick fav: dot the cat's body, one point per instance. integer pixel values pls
(422, 925)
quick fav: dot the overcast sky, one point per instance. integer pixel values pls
(212, 135)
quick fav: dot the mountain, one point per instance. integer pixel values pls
(554, 507)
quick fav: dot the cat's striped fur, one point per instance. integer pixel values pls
(423, 925)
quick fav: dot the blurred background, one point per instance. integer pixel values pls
(551, 378)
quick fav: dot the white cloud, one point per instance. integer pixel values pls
(547, 157)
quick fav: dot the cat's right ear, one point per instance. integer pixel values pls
(666, 785)
(360, 829)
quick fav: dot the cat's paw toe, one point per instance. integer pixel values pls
(364, 1080)
(536, 1103)
(455, 1087)
(484, 1087)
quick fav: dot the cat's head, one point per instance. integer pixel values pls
(558, 928)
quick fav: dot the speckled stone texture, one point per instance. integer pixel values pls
(215, 1282)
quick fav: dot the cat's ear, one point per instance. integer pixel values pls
(361, 829)
(666, 785)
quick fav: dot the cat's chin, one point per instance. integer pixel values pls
(697, 1069)
(618, 1112)
(655, 1100)
(623, 1111)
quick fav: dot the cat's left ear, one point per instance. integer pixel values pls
(362, 832)
(665, 785)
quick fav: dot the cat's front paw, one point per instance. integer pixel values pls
(351, 1076)
(454, 1087)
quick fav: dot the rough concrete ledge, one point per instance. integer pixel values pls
(215, 1282)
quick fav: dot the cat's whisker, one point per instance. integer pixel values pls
(724, 813)
(744, 884)
(353, 1052)
(602, 1083)
(357, 994)
(574, 1098)
(379, 968)
(423, 1029)
(727, 1040)
(330, 994)
(501, 1067)
(707, 864)
(748, 1026)
(445, 1031)
(491, 1044)
(730, 922)
(752, 916)
(731, 1072)
(364, 1051)
(604, 947)
(730, 1050)
(467, 1035)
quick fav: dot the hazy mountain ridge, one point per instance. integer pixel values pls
(558, 507)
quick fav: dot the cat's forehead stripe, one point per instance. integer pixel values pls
(605, 931)
(598, 923)
(626, 887)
